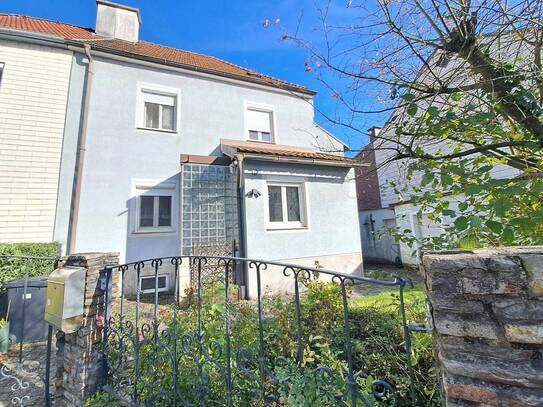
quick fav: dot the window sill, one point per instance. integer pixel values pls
(286, 228)
(260, 141)
(142, 232)
(158, 130)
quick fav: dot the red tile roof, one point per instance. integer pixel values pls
(231, 147)
(144, 50)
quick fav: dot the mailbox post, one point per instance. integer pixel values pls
(77, 294)
(66, 298)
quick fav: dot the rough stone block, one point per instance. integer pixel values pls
(459, 325)
(471, 393)
(533, 264)
(481, 282)
(532, 334)
(518, 309)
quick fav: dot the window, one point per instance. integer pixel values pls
(286, 206)
(157, 108)
(259, 124)
(155, 209)
(1, 71)
(147, 284)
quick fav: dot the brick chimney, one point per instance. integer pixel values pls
(117, 21)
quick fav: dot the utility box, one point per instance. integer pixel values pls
(27, 297)
(65, 298)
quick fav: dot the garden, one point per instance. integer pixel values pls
(276, 361)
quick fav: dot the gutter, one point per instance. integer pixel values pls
(80, 159)
(306, 161)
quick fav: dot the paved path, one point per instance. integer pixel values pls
(22, 384)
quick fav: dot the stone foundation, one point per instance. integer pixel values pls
(487, 309)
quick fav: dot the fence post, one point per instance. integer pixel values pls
(487, 312)
(78, 356)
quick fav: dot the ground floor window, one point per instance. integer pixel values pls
(286, 206)
(155, 208)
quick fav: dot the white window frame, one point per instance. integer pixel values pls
(159, 90)
(149, 188)
(285, 224)
(152, 290)
(262, 108)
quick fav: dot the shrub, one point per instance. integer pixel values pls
(319, 380)
(13, 268)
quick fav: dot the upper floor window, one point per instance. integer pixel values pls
(286, 206)
(157, 108)
(259, 123)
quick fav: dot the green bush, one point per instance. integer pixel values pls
(14, 268)
(319, 380)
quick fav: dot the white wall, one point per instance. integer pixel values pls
(332, 236)
(378, 246)
(33, 95)
(117, 152)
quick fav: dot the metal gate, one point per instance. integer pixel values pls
(25, 346)
(203, 348)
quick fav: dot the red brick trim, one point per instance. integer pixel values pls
(204, 159)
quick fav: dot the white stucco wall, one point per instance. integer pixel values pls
(33, 95)
(117, 153)
(378, 245)
(332, 236)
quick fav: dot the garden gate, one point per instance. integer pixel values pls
(201, 347)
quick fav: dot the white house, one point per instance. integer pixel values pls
(162, 148)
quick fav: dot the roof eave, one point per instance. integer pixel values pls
(296, 160)
(285, 87)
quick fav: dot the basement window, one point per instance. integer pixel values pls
(147, 284)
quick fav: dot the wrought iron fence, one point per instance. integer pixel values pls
(25, 355)
(201, 348)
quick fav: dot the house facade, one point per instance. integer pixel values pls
(162, 149)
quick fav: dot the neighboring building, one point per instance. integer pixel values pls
(376, 223)
(34, 87)
(163, 148)
(381, 207)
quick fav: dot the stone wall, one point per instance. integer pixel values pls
(487, 309)
(79, 361)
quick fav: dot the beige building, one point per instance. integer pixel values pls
(34, 81)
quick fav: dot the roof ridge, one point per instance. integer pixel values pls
(49, 21)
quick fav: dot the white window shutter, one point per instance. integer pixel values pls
(259, 120)
(159, 99)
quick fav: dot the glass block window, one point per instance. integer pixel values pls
(210, 204)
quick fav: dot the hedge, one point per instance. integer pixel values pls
(14, 268)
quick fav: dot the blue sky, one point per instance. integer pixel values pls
(232, 30)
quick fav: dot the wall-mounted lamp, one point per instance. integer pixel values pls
(253, 193)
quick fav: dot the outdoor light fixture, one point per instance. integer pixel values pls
(253, 193)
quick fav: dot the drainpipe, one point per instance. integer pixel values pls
(241, 221)
(80, 159)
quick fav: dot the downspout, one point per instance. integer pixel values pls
(241, 220)
(80, 159)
